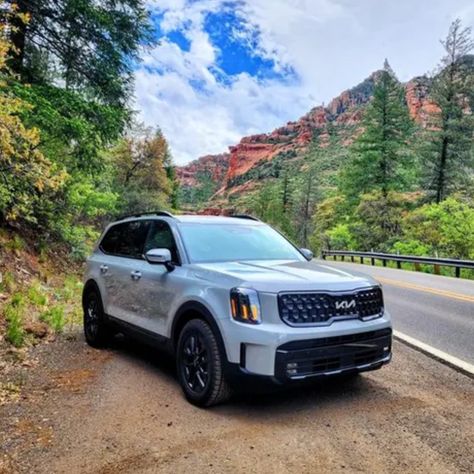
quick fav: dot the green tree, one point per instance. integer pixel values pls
(27, 177)
(448, 153)
(329, 214)
(446, 228)
(306, 192)
(89, 46)
(142, 163)
(377, 220)
(380, 155)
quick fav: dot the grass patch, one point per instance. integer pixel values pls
(15, 333)
(36, 295)
(55, 317)
(7, 282)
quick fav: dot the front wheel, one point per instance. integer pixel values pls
(200, 365)
(96, 330)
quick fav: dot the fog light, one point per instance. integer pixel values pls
(292, 368)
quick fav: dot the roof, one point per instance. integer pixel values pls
(194, 219)
(199, 219)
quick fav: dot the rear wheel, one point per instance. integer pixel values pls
(200, 365)
(96, 330)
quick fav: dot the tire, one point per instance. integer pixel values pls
(96, 331)
(200, 365)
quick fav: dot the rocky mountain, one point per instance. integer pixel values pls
(260, 156)
(213, 166)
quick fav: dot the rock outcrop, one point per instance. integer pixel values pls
(214, 165)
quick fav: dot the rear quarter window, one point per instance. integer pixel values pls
(126, 239)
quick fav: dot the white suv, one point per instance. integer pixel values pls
(232, 298)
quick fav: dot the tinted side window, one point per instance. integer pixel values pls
(161, 237)
(127, 239)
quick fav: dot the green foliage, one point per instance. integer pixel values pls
(55, 317)
(445, 229)
(74, 129)
(59, 174)
(143, 175)
(26, 175)
(15, 333)
(329, 213)
(380, 155)
(340, 237)
(7, 282)
(448, 153)
(267, 204)
(411, 247)
(87, 45)
(378, 220)
(200, 193)
(36, 295)
(15, 244)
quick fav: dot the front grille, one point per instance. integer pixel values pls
(300, 309)
(323, 356)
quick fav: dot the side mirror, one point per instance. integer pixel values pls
(161, 257)
(307, 254)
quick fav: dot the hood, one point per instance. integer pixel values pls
(273, 276)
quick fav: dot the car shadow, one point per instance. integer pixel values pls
(258, 401)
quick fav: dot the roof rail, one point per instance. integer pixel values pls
(148, 213)
(245, 216)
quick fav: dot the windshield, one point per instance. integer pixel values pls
(228, 242)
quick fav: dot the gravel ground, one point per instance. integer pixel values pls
(121, 411)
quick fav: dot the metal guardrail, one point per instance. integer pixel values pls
(399, 259)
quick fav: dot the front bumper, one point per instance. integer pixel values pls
(333, 355)
(267, 349)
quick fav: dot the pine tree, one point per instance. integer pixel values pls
(380, 153)
(307, 192)
(448, 154)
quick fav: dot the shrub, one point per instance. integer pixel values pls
(340, 238)
(411, 247)
(446, 228)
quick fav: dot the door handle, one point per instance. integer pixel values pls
(103, 268)
(135, 275)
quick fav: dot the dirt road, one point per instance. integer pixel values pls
(121, 411)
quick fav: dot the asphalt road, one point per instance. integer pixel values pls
(433, 309)
(121, 411)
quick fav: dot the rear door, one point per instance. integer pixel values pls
(124, 244)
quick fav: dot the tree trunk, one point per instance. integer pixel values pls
(18, 38)
(440, 185)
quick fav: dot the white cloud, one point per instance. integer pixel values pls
(330, 44)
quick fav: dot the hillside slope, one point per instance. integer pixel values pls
(263, 156)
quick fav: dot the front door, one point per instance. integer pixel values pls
(159, 286)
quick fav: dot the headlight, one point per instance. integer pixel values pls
(245, 306)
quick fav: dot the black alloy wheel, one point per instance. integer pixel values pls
(200, 365)
(195, 362)
(96, 330)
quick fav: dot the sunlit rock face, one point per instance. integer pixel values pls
(214, 165)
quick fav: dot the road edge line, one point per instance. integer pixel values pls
(460, 365)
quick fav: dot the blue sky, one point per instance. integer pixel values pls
(224, 69)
